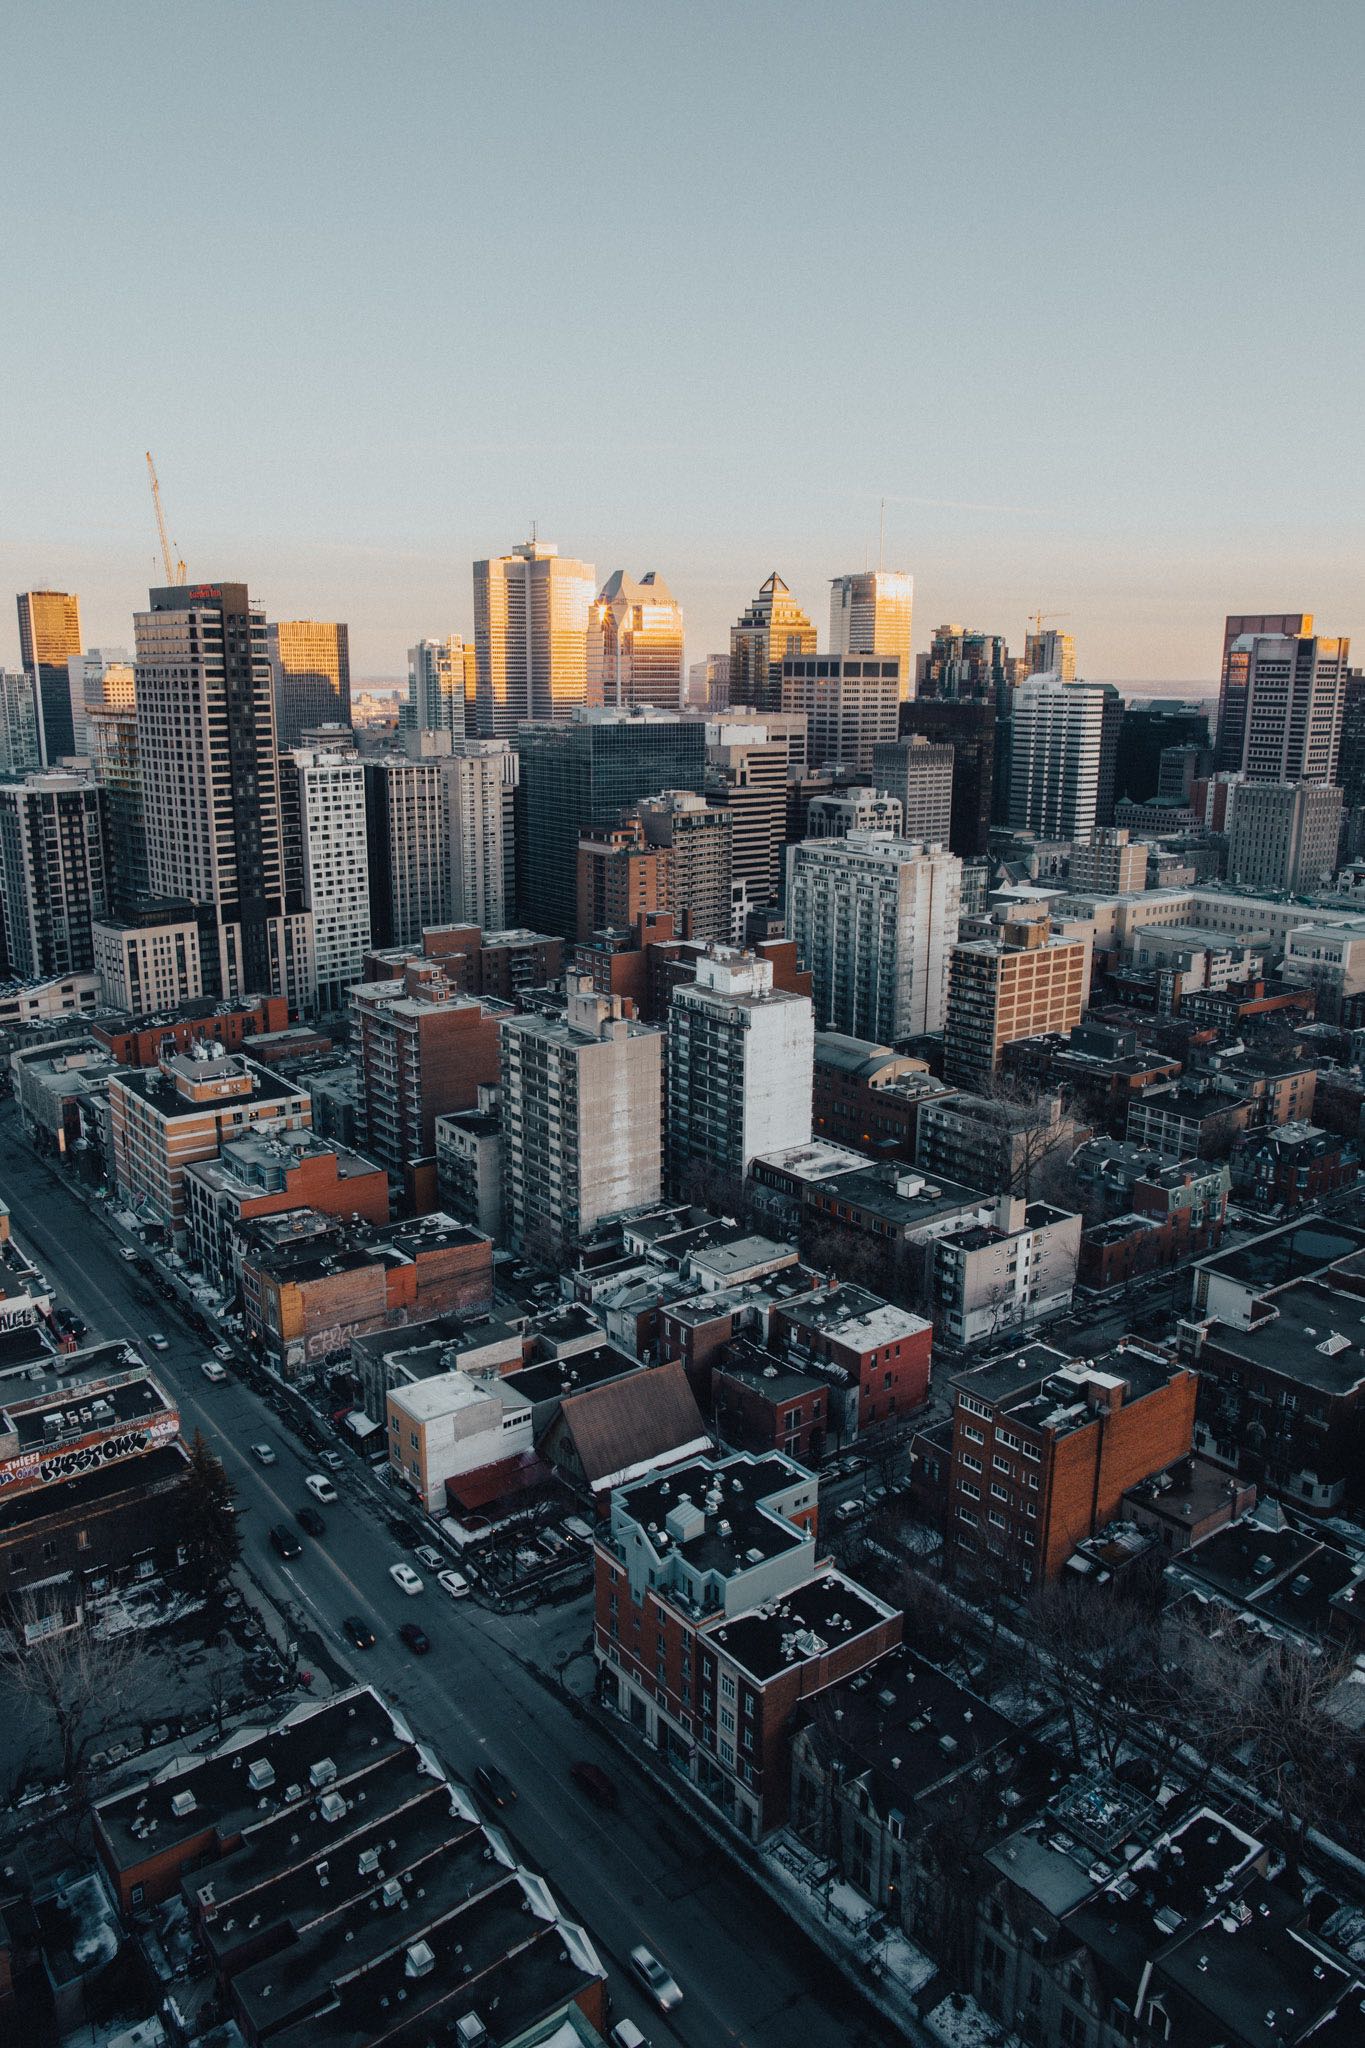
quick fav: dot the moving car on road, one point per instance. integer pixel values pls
(213, 1372)
(454, 1583)
(358, 1632)
(284, 1540)
(625, 2034)
(416, 1638)
(157, 1341)
(309, 1519)
(263, 1454)
(496, 1789)
(655, 1978)
(321, 1488)
(593, 1780)
(125, 1251)
(406, 1578)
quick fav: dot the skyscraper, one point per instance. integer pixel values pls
(322, 796)
(1050, 653)
(772, 629)
(441, 687)
(849, 701)
(968, 725)
(635, 644)
(531, 611)
(920, 772)
(1055, 754)
(480, 783)
(586, 773)
(965, 663)
(874, 919)
(405, 836)
(100, 679)
(20, 742)
(310, 661)
(740, 1066)
(1287, 694)
(53, 878)
(747, 769)
(708, 683)
(1283, 835)
(1148, 729)
(870, 613)
(1235, 675)
(1111, 726)
(115, 765)
(49, 634)
(210, 784)
(697, 836)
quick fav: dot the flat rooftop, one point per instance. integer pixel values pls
(855, 1317)
(1287, 1253)
(826, 1614)
(878, 1191)
(550, 1379)
(1312, 1335)
(734, 1495)
(136, 1476)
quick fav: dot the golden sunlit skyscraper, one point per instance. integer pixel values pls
(531, 612)
(310, 661)
(49, 634)
(635, 643)
(1050, 653)
(774, 629)
(870, 613)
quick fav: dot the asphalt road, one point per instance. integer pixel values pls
(748, 1975)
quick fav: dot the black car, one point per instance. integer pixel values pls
(401, 1533)
(496, 1789)
(416, 1638)
(358, 1632)
(284, 1540)
(311, 1520)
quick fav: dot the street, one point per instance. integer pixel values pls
(746, 1971)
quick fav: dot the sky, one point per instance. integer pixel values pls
(1076, 287)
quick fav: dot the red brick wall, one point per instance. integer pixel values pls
(1088, 1471)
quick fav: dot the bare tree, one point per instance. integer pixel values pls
(77, 1685)
(1037, 1138)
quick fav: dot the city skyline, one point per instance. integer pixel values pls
(1079, 419)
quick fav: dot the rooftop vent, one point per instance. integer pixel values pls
(392, 1894)
(182, 1803)
(470, 2031)
(369, 1862)
(421, 1960)
(331, 1806)
(323, 1772)
(261, 1774)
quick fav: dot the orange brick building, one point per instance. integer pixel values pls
(139, 1041)
(261, 1175)
(1021, 985)
(1044, 1449)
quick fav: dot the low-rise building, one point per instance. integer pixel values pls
(623, 1429)
(1008, 1272)
(1175, 1213)
(868, 1097)
(1044, 1449)
(1186, 1122)
(422, 1349)
(140, 1037)
(988, 1142)
(262, 1173)
(714, 1623)
(763, 1403)
(698, 1327)
(1239, 1286)
(448, 1425)
(1290, 1166)
(873, 1356)
(63, 1092)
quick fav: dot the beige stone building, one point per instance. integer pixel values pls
(1017, 986)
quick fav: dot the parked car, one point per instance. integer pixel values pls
(655, 1978)
(432, 1559)
(417, 1639)
(223, 1351)
(496, 1789)
(625, 2034)
(847, 1509)
(406, 1578)
(593, 1780)
(333, 1460)
(309, 1519)
(212, 1371)
(283, 1539)
(401, 1532)
(263, 1454)
(358, 1632)
(576, 1527)
(125, 1251)
(454, 1583)
(157, 1341)
(321, 1488)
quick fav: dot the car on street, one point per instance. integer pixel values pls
(213, 1372)
(358, 1632)
(157, 1341)
(333, 1460)
(593, 1780)
(405, 1578)
(308, 1518)
(847, 1509)
(875, 1496)
(625, 2034)
(454, 1583)
(432, 1559)
(496, 1789)
(283, 1540)
(125, 1251)
(402, 1532)
(417, 1639)
(321, 1488)
(263, 1454)
(223, 1351)
(655, 1978)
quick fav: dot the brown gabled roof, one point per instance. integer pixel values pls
(622, 1429)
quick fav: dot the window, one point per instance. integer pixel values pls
(727, 1686)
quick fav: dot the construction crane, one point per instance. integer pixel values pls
(1036, 619)
(175, 572)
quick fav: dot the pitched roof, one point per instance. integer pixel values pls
(623, 1429)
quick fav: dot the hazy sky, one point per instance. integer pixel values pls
(1076, 287)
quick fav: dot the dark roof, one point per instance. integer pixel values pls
(1289, 1342)
(135, 1475)
(633, 1421)
(497, 1482)
(906, 1726)
(1287, 1253)
(826, 1614)
(550, 1379)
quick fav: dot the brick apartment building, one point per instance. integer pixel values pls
(140, 1041)
(872, 1355)
(311, 1284)
(499, 965)
(1045, 1447)
(1175, 1213)
(1291, 1166)
(657, 953)
(762, 1403)
(423, 1050)
(714, 1623)
(259, 1175)
(868, 1097)
(698, 1328)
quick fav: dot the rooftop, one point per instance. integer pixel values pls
(1285, 1254)
(855, 1317)
(626, 1425)
(825, 1615)
(723, 1508)
(1309, 1333)
(552, 1378)
(903, 1197)
(907, 1726)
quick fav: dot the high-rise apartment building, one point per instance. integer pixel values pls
(1234, 675)
(963, 663)
(585, 773)
(875, 920)
(115, 764)
(310, 664)
(621, 877)
(1287, 692)
(531, 612)
(322, 798)
(20, 737)
(708, 684)
(635, 644)
(747, 774)
(919, 772)
(1111, 727)
(1017, 986)
(1109, 864)
(697, 837)
(101, 679)
(772, 630)
(1283, 835)
(1057, 741)
(581, 1121)
(49, 634)
(870, 613)
(480, 782)
(850, 703)
(741, 1060)
(405, 831)
(423, 1050)
(1050, 653)
(53, 878)
(856, 807)
(149, 960)
(441, 687)
(210, 783)
(967, 724)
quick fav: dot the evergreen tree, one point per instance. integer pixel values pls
(208, 1524)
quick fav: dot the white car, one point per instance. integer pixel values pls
(212, 1371)
(625, 2034)
(125, 1251)
(432, 1559)
(403, 1575)
(321, 1488)
(263, 1454)
(333, 1460)
(655, 1979)
(158, 1341)
(223, 1351)
(455, 1583)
